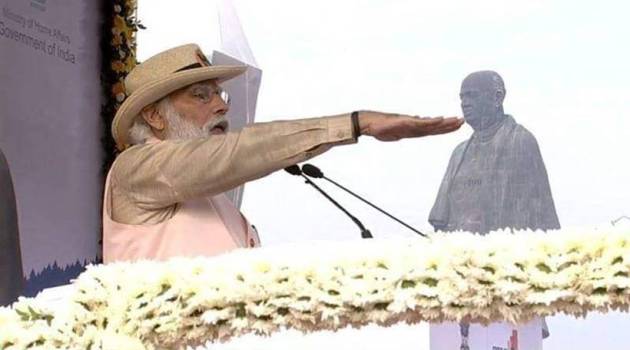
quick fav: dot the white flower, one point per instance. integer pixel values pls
(325, 285)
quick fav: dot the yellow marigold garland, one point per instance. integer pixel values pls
(119, 58)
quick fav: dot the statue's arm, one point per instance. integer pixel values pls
(438, 218)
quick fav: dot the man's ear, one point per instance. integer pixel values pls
(151, 115)
(499, 97)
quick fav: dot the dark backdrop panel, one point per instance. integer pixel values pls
(50, 132)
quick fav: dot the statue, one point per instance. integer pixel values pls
(497, 178)
(10, 257)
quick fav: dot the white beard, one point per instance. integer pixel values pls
(181, 129)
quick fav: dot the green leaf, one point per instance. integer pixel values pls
(196, 313)
(566, 265)
(431, 282)
(240, 310)
(515, 279)
(408, 284)
(381, 306)
(544, 268)
(48, 318)
(32, 311)
(24, 316)
(164, 288)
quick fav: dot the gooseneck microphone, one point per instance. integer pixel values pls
(315, 172)
(295, 170)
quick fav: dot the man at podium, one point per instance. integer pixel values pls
(164, 193)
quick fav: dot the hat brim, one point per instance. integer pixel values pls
(155, 90)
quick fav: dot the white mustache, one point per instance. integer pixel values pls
(220, 122)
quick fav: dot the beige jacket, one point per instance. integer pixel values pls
(148, 181)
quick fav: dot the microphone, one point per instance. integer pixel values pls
(295, 170)
(315, 172)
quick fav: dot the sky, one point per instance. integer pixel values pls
(564, 64)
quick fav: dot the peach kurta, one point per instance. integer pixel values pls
(200, 227)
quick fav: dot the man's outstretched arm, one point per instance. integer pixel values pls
(158, 175)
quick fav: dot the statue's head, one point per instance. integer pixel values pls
(482, 95)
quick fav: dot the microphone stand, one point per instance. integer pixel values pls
(321, 175)
(365, 233)
(374, 206)
(295, 170)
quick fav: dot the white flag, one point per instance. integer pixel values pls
(243, 90)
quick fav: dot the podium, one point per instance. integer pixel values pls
(496, 336)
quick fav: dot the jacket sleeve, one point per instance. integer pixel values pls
(160, 174)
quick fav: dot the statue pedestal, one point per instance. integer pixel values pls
(497, 336)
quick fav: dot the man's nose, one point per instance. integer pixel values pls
(466, 102)
(221, 107)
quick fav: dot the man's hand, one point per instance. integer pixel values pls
(393, 127)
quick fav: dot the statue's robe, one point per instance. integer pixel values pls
(495, 180)
(11, 279)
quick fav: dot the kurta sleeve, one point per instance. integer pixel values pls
(160, 174)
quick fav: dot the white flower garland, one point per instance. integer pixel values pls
(329, 285)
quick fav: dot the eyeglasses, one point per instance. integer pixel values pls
(205, 92)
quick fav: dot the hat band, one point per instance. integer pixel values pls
(190, 66)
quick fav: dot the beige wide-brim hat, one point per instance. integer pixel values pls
(160, 75)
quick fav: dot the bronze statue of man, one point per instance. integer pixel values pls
(10, 257)
(497, 178)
